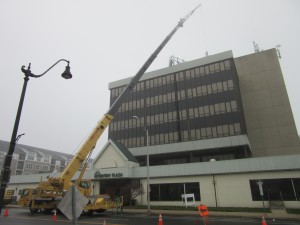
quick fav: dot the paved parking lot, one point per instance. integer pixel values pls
(21, 216)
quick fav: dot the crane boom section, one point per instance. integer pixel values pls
(83, 152)
(146, 65)
(91, 141)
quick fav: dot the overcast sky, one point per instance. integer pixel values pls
(110, 40)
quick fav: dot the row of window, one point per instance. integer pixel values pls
(192, 157)
(182, 95)
(286, 189)
(37, 167)
(194, 134)
(32, 157)
(201, 111)
(173, 191)
(183, 75)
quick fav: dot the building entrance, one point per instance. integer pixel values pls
(130, 189)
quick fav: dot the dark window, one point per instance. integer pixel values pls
(173, 191)
(206, 99)
(276, 189)
(20, 165)
(296, 183)
(22, 157)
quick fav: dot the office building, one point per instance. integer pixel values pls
(216, 126)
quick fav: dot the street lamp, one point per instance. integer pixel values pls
(261, 191)
(148, 177)
(5, 173)
(214, 183)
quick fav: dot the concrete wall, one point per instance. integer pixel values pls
(268, 114)
(110, 158)
(232, 190)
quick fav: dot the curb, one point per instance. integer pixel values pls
(276, 215)
(214, 213)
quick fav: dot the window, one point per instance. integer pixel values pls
(206, 110)
(286, 189)
(222, 107)
(29, 166)
(230, 84)
(233, 106)
(173, 191)
(30, 156)
(227, 65)
(191, 113)
(202, 71)
(189, 93)
(20, 165)
(217, 67)
(214, 87)
(199, 91)
(197, 71)
(45, 168)
(212, 110)
(188, 74)
(237, 128)
(46, 158)
(220, 86)
(37, 167)
(194, 92)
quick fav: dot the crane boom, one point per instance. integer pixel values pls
(146, 65)
(89, 144)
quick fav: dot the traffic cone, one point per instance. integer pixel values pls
(6, 212)
(54, 216)
(263, 221)
(160, 221)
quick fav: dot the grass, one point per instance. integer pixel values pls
(217, 209)
(293, 211)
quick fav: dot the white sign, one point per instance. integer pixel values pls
(188, 199)
(65, 205)
(260, 183)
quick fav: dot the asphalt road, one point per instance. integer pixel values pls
(20, 216)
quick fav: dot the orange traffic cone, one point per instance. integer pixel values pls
(160, 222)
(263, 221)
(104, 223)
(6, 212)
(54, 216)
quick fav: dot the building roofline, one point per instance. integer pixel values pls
(173, 69)
(213, 143)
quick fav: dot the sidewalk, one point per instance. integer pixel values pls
(278, 214)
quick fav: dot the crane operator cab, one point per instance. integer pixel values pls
(84, 186)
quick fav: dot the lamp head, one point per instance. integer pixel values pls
(67, 73)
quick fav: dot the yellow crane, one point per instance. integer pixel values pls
(49, 193)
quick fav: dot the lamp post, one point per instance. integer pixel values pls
(148, 177)
(214, 183)
(5, 173)
(261, 191)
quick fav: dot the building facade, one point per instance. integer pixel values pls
(212, 127)
(217, 108)
(216, 98)
(33, 160)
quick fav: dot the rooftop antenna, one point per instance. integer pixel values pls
(175, 61)
(278, 50)
(256, 47)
